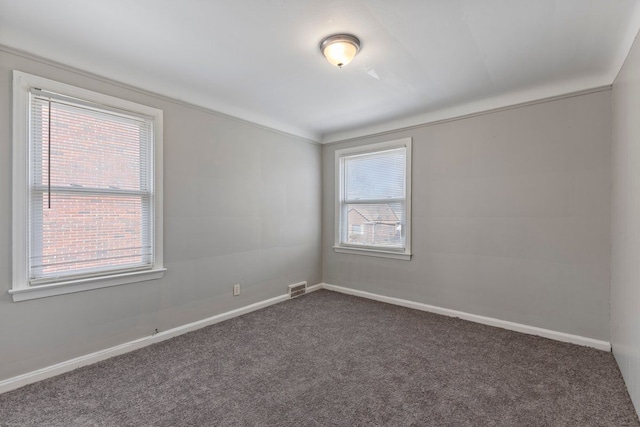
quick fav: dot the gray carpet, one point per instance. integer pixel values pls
(327, 359)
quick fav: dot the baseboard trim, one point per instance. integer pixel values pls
(504, 324)
(69, 365)
(88, 359)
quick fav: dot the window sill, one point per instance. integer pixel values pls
(43, 291)
(373, 252)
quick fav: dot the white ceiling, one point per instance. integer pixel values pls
(421, 60)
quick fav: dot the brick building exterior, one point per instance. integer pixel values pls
(374, 225)
(95, 215)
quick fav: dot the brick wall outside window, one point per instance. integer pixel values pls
(89, 230)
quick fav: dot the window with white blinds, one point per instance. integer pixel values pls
(373, 206)
(91, 202)
(91, 189)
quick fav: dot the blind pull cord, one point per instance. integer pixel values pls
(49, 156)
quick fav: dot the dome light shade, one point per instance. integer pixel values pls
(340, 49)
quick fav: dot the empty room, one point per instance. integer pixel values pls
(319, 213)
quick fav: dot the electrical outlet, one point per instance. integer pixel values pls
(236, 289)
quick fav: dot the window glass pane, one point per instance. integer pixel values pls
(85, 233)
(378, 175)
(89, 149)
(376, 224)
(97, 167)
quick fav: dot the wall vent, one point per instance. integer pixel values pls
(297, 289)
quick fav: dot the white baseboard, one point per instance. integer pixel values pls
(518, 327)
(69, 365)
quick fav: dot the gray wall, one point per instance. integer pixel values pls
(511, 217)
(511, 220)
(625, 232)
(242, 205)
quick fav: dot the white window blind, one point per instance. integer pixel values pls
(91, 189)
(373, 197)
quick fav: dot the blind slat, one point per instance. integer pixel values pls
(373, 208)
(99, 173)
(375, 175)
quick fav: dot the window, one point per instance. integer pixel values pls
(373, 206)
(87, 199)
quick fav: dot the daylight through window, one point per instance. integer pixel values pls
(90, 189)
(373, 206)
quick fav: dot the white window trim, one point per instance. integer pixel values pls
(339, 196)
(20, 288)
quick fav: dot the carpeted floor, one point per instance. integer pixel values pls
(327, 359)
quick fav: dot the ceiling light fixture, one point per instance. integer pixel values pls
(340, 49)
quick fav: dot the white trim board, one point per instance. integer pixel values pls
(504, 324)
(88, 359)
(465, 111)
(297, 134)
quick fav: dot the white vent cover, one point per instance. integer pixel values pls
(297, 289)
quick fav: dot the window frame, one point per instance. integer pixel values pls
(21, 289)
(377, 251)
